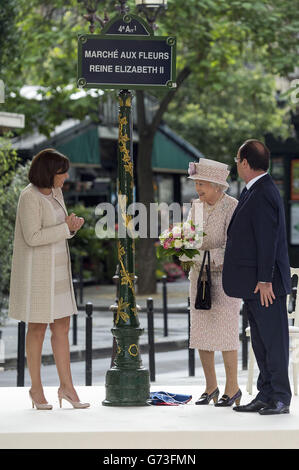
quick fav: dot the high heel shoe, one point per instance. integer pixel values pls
(206, 398)
(40, 406)
(75, 404)
(225, 400)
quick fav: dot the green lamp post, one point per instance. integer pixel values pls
(127, 381)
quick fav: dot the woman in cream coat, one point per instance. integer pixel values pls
(41, 290)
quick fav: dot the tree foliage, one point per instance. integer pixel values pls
(8, 208)
(215, 39)
(8, 162)
(228, 54)
(9, 41)
(235, 49)
(219, 121)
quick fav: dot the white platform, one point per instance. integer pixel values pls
(151, 427)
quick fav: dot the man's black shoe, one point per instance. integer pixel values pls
(278, 408)
(253, 406)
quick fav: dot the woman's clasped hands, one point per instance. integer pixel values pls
(74, 223)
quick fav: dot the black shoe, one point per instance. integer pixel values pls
(277, 408)
(254, 405)
(206, 398)
(225, 400)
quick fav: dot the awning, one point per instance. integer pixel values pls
(169, 156)
(83, 148)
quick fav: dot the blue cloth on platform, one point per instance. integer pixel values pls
(171, 399)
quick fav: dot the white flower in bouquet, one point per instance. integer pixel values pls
(186, 226)
(176, 232)
(190, 244)
(188, 231)
(164, 235)
(178, 243)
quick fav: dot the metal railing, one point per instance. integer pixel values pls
(150, 312)
(150, 348)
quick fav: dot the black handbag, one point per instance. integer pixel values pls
(203, 295)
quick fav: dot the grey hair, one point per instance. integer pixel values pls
(220, 187)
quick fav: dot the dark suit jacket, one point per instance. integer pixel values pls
(256, 248)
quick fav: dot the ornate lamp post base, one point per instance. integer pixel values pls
(127, 387)
(127, 383)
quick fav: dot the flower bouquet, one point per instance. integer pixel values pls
(180, 239)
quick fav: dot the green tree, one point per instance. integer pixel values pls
(215, 38)
(218, 121)
(8, 208)
(8, 162)
(9, 41)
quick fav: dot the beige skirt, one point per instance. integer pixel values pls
(216, 329)
(63, 305)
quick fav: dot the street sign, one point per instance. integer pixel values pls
(128, 25)
(126, 55)
(12, 120)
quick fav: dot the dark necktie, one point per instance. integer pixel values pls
(243, 194)
(242, 198)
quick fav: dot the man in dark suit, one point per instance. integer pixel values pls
(256, 269)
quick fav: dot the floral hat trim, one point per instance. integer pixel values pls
(192, 168)
(209, 170)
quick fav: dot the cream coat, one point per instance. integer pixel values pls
(32, 272)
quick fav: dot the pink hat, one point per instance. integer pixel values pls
(209, 170)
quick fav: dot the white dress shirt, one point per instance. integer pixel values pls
(251, 182)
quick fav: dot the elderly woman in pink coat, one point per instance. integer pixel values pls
(216, 329)
(41, 290)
